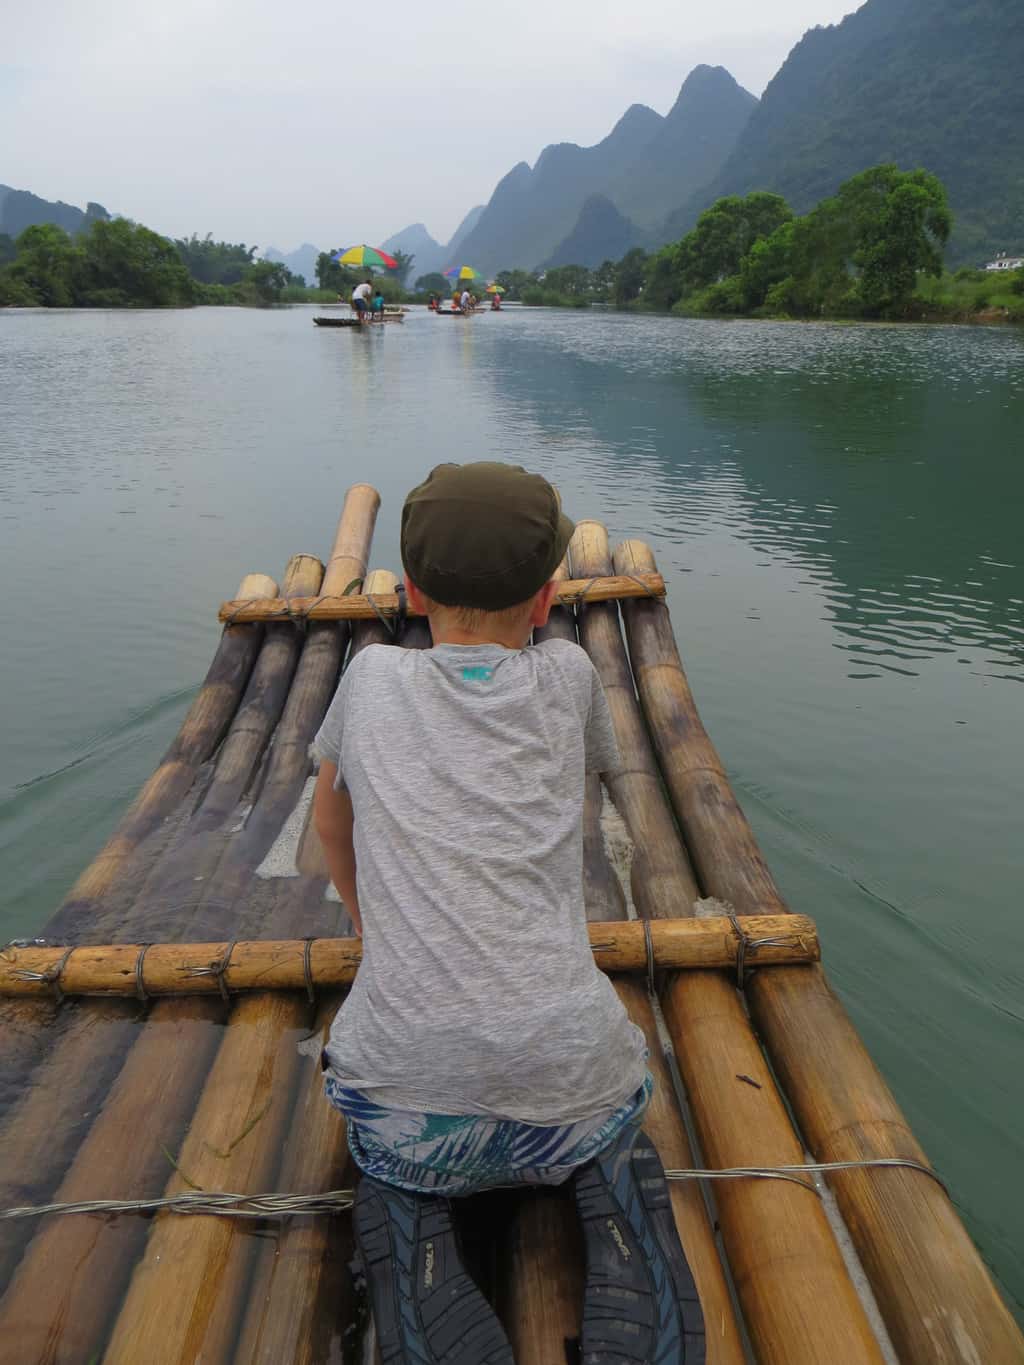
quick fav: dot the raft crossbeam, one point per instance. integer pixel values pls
(159, 969)
(368, 606)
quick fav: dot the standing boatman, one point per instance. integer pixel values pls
(361, 300)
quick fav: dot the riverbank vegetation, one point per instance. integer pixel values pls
(871, 251)
(114, 263)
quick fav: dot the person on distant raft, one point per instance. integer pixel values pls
(361, 300)
(377, 314)
(480, 1045)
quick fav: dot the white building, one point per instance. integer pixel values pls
(1005, 262)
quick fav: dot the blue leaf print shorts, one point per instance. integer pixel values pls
(456, 1154)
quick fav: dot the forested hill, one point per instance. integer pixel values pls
(645, 165)
(20, 209)
(930, 83)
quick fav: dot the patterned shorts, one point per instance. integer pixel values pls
(458, 1154)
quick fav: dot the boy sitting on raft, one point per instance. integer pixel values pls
(480, 1046)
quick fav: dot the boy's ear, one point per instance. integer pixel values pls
(542, 604)
(416, 598)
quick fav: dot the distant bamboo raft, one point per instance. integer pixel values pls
(367, 607)
(145, 970)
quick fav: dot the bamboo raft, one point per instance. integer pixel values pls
(354, 322)
(212, 961)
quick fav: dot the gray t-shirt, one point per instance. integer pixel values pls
(478, 992)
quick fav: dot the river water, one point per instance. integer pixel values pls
(837, 510)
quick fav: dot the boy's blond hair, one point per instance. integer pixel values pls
(475, 620)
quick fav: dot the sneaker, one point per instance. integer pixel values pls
(640, 1302)
(426, 1307)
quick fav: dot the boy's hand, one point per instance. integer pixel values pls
(333, 818)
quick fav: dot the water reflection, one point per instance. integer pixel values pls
(836, 450)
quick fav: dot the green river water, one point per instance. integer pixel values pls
(837, 511)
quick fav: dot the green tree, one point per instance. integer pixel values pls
(858, 253)
(434, 283)
(338, 278)
(8, 250)
(603, 280)
(405, 260)
(630, 275)
(514, 282)
(266, 280)
(903, 224)
(723, 236)
(213, 262)
(572, 281)
(46, 268)
(124, 262)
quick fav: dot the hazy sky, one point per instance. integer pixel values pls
(276, 124)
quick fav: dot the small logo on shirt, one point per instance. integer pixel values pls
(477, 674)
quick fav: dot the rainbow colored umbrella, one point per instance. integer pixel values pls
(366, 256)
(462, 272)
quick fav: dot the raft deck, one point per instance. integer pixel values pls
(147, 1095)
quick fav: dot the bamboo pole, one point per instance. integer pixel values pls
(93, 1260)
(358, 607)
(167, 969)
(346, 564)
(938, 1301)
(798, 1302)
(302, 1298)
(662, 880)
(306, 1263)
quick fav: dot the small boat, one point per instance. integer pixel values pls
(199, 1091)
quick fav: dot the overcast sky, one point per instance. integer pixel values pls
(331, 123)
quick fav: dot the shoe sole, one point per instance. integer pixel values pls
(427, 1309)
(640, 1301)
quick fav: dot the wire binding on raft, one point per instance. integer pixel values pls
(336, 1201)
(746, 945)
(217, 969)
(52, 974)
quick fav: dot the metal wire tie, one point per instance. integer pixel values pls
(387, 622)
(649, 945)
(140, 988)
(307, 967)
(217, 969)
(51, 976)
(749, 946)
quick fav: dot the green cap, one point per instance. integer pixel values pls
(483, 535)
